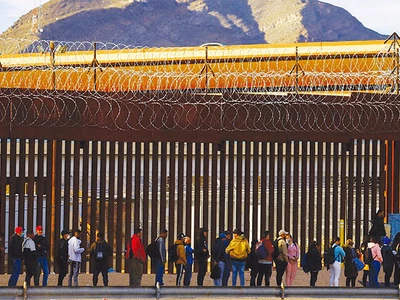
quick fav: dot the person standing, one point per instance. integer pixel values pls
(139, 258)
(100, 251)
(252, 262)
(334, 268)
(219, 255)
(350, 269)
(42, 249)
(189, 262)
(281, 261)
(375, 266)
(15, 253)
(181, 261)
(238, 249)
(293, 253)
(265, 263)
(160, 258)
(62, 256)
(388, 260)
(201, 254)
(30, 258)
(378, 225)
(313, 259)
(396, 252)
(75, 257)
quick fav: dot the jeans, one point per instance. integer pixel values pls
(188, 275)
(160, 269)
(226, 273)
(280, 270)
(16, 269)
(74, 267)
(238, 267)
(218, 282)
(43, 264)
(374, 269)
(334, 269)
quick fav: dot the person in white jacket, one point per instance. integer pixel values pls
(75, 257)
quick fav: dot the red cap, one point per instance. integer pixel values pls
(39, 228)
(19, 229)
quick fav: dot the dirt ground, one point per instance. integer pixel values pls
(122, 279)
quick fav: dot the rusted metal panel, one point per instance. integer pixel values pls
(271, 195)
(163, 187)
(358, 181)
(51, 172)
(3, 184)
(311, 193)
(21, 182)
(320, 162)
(304, 181)
(335, 188)
(350, 194)
(264, 180)
(279, 189)
(94, 217)
(296, 186)
(145, 201)
(86, 238)
(189, 197)
(55, 231)
(197, 185)
(327, 199)
(31, 182)
(67, 184)
(247, 178)
(12, 183)
(288, 184)
(111, 198)
(129, 197)
(384, 182)
(222, 186)
(206, 186)
(180, 211)
(120, 232)
(239, 186)
(76, 186)
(255, 198)
(137, 199)
(171, 199)
(154, 190)
(368, 185)
(103, 177)
(396, 182)
(231, 184)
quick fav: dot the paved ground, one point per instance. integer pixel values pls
(118, 279)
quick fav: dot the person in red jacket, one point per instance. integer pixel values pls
(265, 263)
(138, 259)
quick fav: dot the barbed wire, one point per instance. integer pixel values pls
(336, 87)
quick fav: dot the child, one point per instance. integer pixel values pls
(189, 258)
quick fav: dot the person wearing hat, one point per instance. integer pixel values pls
(15, 253)
(219, 255)
(75, 257)
(238, 249)
(42, 248)
(30, 258)
(100, 252)
(281, 261)
(180, 263)
(201, 254)
(139, 258)
(62, 256)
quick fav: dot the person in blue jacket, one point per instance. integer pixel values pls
(189, 262)
(334, 268)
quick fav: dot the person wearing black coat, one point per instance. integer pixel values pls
(378, 225)
(396, 249)
(388, 260)
(201, 254)
(62, 256)
(350, 269)
(313, 258)
(252, 261)
(15, 254)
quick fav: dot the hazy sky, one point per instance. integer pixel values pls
(379, 15)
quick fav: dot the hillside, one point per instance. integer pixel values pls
(164, 23)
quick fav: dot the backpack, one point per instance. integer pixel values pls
(152, 250)
(276, 253)
(261, 251)
(329, 256)
(99, 252)
(128, 250)
(173, 253)
(304, 265)
(368, 258)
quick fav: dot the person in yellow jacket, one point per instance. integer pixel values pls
(181, 261)
(238, 249)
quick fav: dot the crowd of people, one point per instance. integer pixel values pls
(231, 253)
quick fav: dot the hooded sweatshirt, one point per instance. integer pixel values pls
(376, 251)
(181, 252)
(238, 248)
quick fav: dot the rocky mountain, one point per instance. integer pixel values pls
(164, 23)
